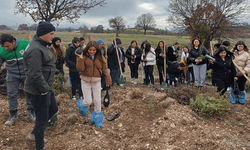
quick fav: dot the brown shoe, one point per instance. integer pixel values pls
(30, 138)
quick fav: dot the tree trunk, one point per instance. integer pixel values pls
(117, 33)
(145, 31)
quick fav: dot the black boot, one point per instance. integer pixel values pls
(12, 119)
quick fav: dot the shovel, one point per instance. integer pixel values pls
(106, 100)
(122, 79)
(164, 85)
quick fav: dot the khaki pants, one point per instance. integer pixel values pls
(87, 89)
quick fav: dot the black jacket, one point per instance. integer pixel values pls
(170, 54)
(137, 53)
(112, 57)
(195, 53)
(223, 70)
(70, 58)
(159, 59)
(39, 67)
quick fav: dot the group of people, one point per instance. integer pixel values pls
(34, 64)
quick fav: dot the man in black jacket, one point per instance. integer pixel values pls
(113, 64)
(40, 70)
(70, 59)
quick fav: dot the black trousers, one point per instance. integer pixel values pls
(191, 71)
(45, 106)
(76, 83)
(149, 74)
(222, 85)
(134, 70)
(161, 72)
(241, 82)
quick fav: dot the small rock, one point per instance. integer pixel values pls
(172, 125)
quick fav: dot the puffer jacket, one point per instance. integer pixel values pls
(93, 68)
(70, 58)
(195, 53)
(151, 57)
(242, 59)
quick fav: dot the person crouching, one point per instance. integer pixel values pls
(91, 65)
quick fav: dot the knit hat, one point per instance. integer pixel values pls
(118, 41)
(99, 41)
(44, 28)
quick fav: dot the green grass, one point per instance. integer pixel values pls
(126, 38)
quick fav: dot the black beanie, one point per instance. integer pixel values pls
(44, 28)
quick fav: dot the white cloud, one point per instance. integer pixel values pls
(147, 6)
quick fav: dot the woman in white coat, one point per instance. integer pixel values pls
(149, 60)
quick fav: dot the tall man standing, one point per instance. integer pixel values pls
(11, 52)
(40, 70)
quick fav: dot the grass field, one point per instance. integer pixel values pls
(126, 38)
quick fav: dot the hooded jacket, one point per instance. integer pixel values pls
(70, 58)
(151, 59)
(39, 67)
(112, 57)
(93, 68)
(14, 59)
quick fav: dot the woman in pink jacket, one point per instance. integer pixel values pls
(242, 59)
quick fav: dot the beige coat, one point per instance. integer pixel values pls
(242, 59)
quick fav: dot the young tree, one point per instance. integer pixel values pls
(145, 22)
(207, 19)
(55, 10)
(117, 23)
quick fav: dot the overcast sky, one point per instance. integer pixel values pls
(128, 9)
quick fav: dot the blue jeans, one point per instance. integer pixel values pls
(115, 75)
(45, 106)
(12, 91)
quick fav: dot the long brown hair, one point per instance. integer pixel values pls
(240, 43)
(98, 53)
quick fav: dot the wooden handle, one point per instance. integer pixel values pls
(165, 61)
(118, 56)
(212, 51)
(241, 71)
(106, 49)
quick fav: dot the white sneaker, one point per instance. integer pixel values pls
(132, 80)
(74, 97)
(135, 81)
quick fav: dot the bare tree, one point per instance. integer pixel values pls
(55, 10)
(207, 19)
(145, 22)
(23, 27)
(117, 23)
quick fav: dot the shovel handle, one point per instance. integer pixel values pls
(165, 61)
(118, 56)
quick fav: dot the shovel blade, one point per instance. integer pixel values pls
(122, 80)
(164, 86)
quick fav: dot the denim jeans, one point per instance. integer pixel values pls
(45, 106)
(115, 75)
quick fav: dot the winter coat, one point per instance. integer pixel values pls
(137, 53)
(150, 56)
(70, 58)
(159, 59)
(58, 52)
(223, 70)
(39, 67)
(242, 59)
(14, 59)
(170, 54)
(195, 53)
(93, 68)
(112, 57)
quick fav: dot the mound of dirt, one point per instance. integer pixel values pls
(170, 126)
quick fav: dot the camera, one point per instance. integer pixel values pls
(144, 56)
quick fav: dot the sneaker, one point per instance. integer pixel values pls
(30, 138)
(80, 97)
(74, 97)
(135, 81)
(13, 117)
(31, 115)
